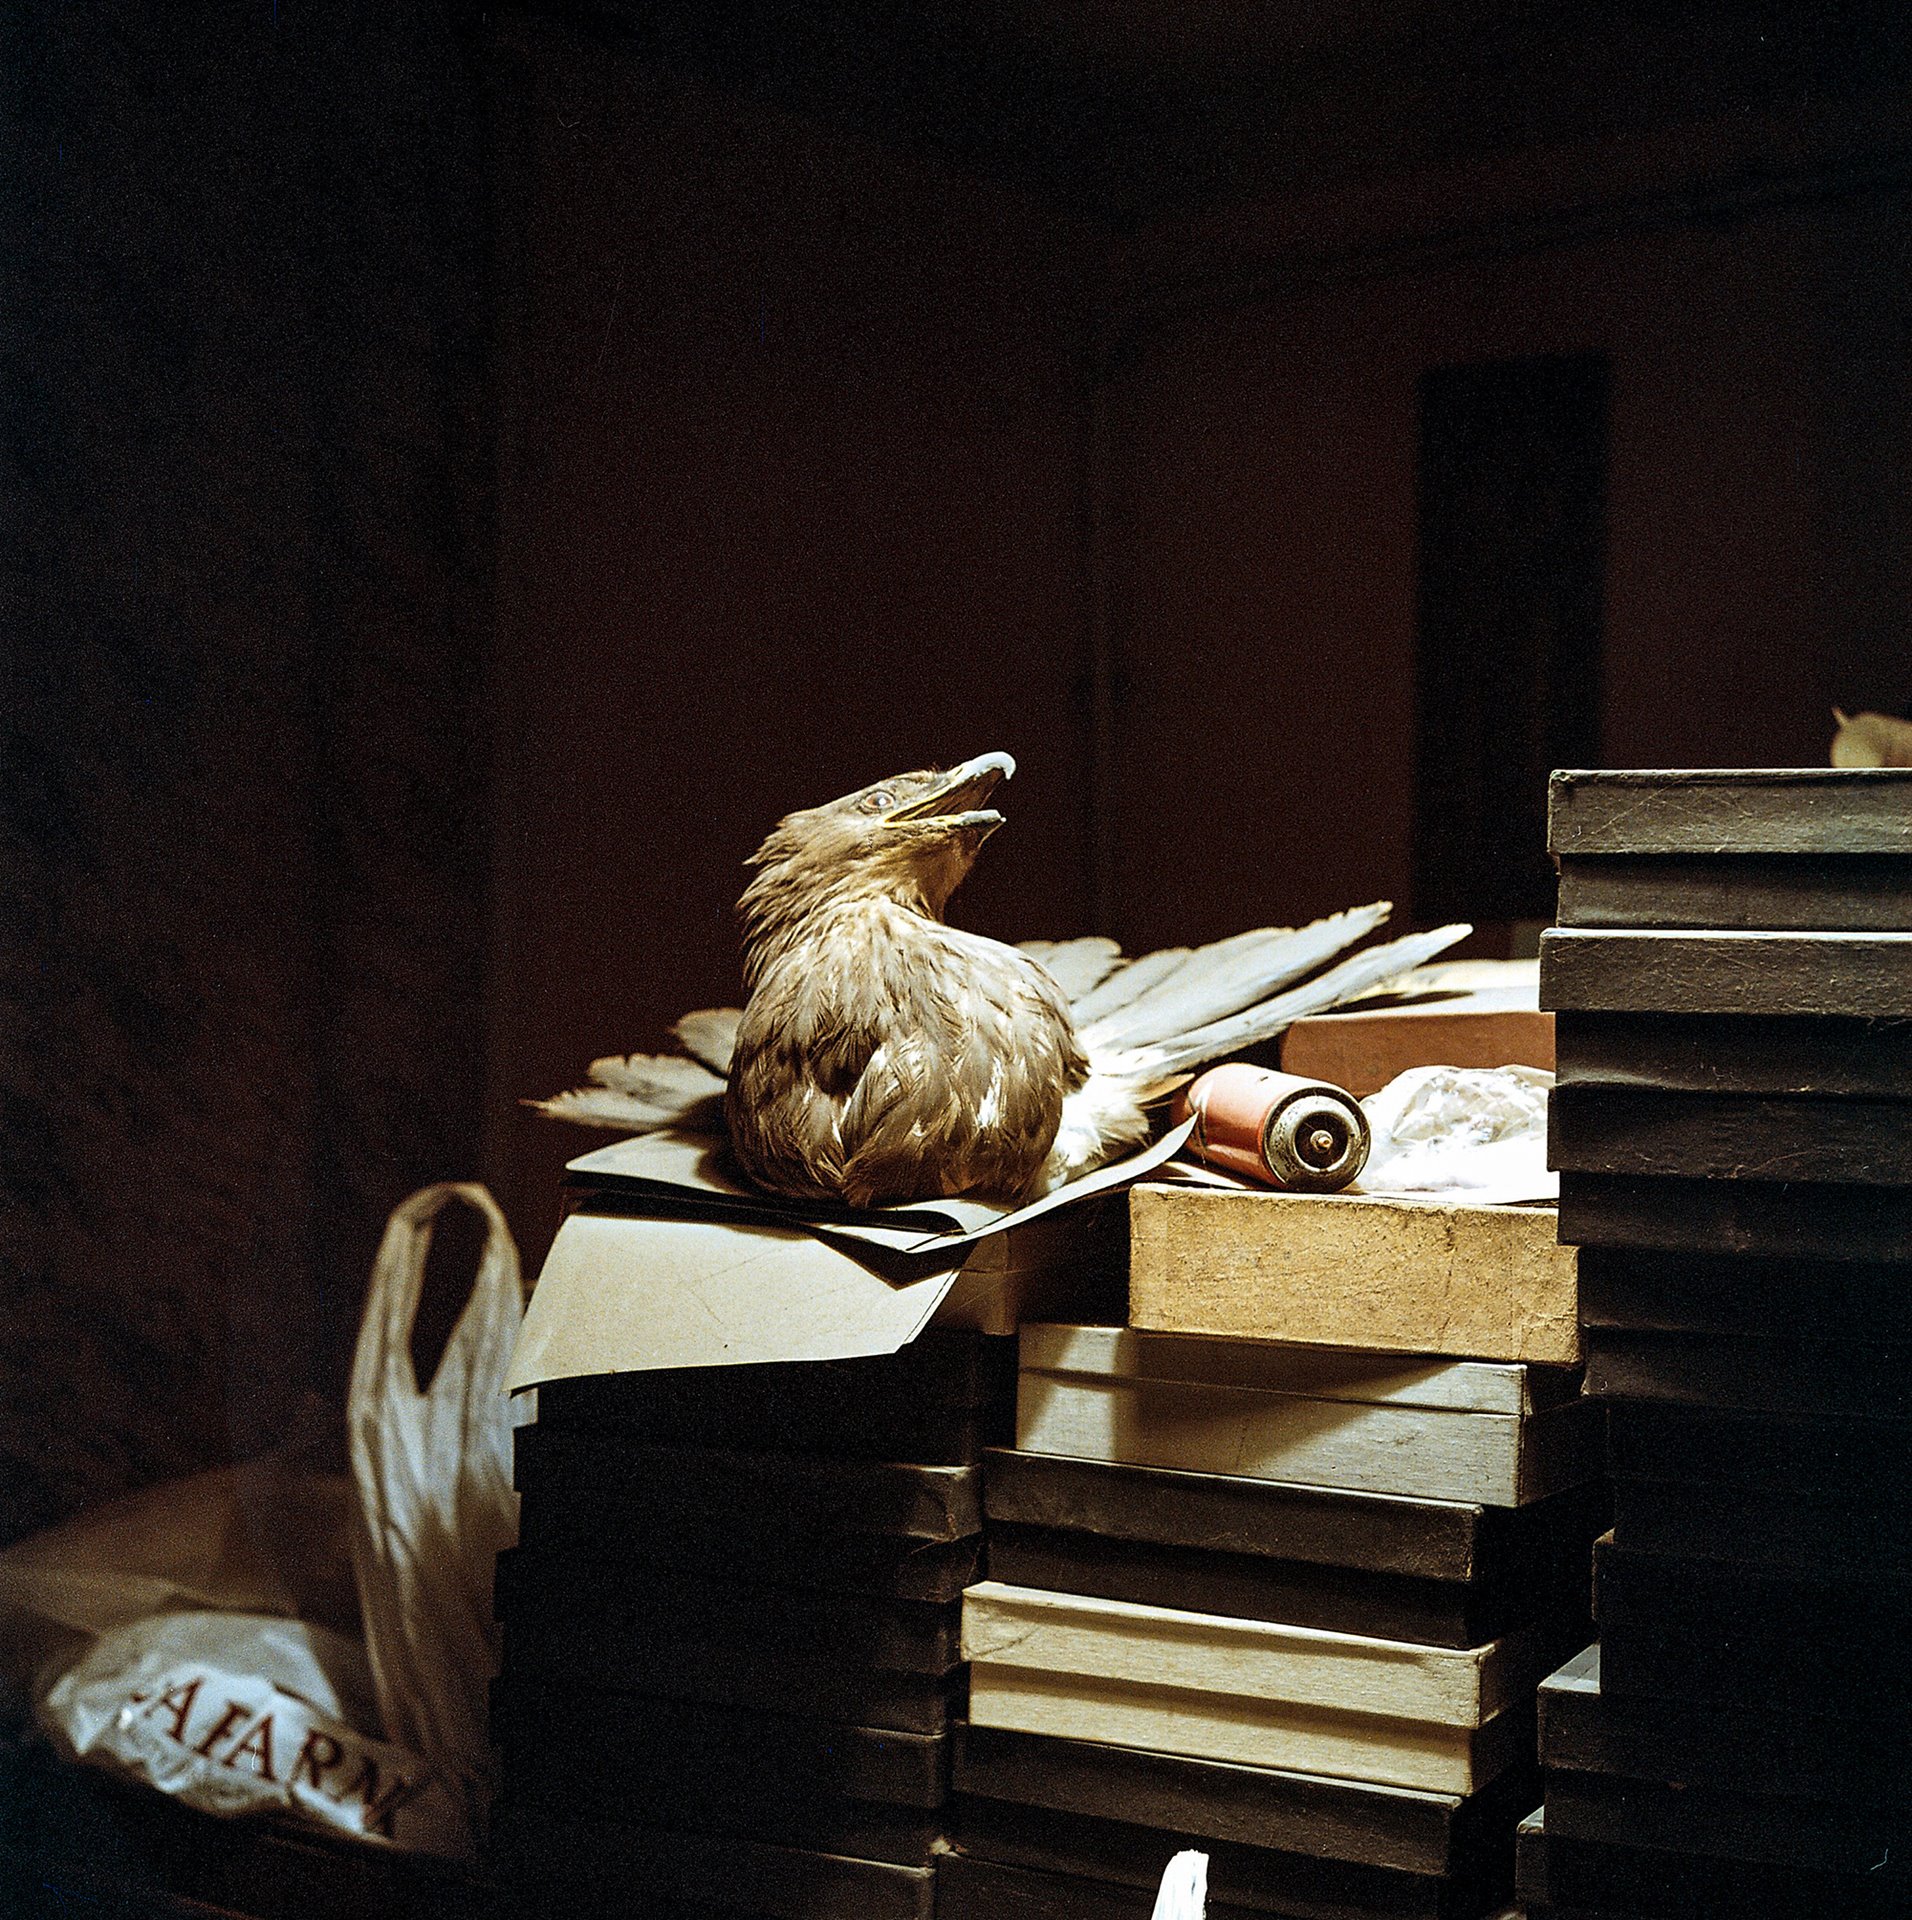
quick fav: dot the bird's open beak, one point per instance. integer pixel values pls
(958, 795)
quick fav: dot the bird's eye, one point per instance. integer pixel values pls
(879, 802)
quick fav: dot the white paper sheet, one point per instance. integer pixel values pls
(619, 1295)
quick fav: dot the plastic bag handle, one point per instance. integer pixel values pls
(399, 1276)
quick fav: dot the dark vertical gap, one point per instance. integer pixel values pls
(1512, 547)
(451, 1265)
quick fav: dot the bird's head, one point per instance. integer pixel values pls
(910, 838)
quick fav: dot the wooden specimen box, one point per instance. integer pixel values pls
(1469, 1431)
(1443, 1573)
(1749, 1746)
(1809, 848)
(1341, 1270)
(1247, 1691)
(1404, 1829)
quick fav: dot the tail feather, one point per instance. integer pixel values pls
(642, 1093)
(1222, 978)
(1354, 977)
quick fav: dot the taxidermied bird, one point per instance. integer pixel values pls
(884, 1056)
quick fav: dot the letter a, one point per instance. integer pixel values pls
(180, 1699)
(258, 1743)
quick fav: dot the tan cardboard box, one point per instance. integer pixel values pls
(1364, 1049)
(1396, 1276)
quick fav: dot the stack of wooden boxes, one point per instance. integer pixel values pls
(1732, 978)
(1285, 1603)
(731, 1633)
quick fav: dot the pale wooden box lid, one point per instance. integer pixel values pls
(1397, 1276)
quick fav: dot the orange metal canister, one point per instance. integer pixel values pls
(1276, 1128)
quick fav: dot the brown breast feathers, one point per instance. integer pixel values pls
(885, 1057)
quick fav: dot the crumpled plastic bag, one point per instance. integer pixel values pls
(1184, 1890)
(200, 1636)
(1471, 1133)
(239, 1713)
(195, 1636)
(267, 1536)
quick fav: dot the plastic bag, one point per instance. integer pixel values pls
(196, 1636)
(269, 1536)
(240, 1713)
(201, 1636)
(1184, 1889)
(433, 1470)
(1478, 1133)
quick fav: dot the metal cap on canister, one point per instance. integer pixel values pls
(1267, 1126)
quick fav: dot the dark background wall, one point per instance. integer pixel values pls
(790, 503)
(242, 775)
(1262, 474)
(469, 473)
(825, 462)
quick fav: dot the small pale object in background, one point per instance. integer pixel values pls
(1871, 740)
(1184, 1894)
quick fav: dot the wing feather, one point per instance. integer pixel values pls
(641, 1093)
(709, 1035)
(1130, 980)
(1076, 966)
(1226, 976)
(1353, 977)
